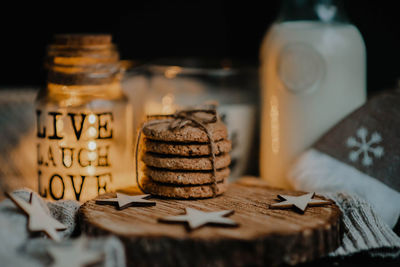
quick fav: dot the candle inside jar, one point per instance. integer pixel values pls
(84, 131)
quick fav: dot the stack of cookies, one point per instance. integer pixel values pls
(178, 162)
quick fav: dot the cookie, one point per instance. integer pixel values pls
(185, 163)
(188, 133)
(186, 149)
(185, 177)
(183, 192)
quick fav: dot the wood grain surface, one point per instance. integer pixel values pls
(264, 236)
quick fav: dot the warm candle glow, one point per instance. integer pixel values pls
(92, 156)
(92, 118)
(167, 105)
(84, 136)
(172, 71)
(91, 131)
(92, 145)
(274, 116)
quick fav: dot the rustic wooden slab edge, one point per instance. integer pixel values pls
(219, 246)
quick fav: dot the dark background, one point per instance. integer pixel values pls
(147, 30)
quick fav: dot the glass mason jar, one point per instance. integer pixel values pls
(313, 74)
(175, 84)
(84, 121)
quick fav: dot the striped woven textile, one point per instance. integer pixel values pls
(364, 230)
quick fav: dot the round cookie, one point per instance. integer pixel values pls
(185, 177)
(186, 163)
(185, 192)
(188, 133)
(186, 149)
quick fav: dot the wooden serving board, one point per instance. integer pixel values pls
(265, 236)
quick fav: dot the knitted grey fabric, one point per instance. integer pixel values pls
(364, 230)
(20, 248)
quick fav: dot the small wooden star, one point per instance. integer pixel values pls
(77, 254)
(125, 201)
(39, 220)
(196, 218)
(300, 202)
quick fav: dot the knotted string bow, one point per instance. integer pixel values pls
(178, 120)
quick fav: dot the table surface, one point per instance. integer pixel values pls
(263, 235)
(18, 160)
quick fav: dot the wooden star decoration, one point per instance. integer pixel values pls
(123, 201)
(300, 202)
(196, 218)
(38, 219)
(77, 254)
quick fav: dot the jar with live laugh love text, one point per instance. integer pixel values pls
(83, 120)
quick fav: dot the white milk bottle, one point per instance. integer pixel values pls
(313, 74)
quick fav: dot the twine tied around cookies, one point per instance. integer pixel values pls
(178, 120)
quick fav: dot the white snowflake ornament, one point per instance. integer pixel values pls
(364, 147)
(359, 155)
